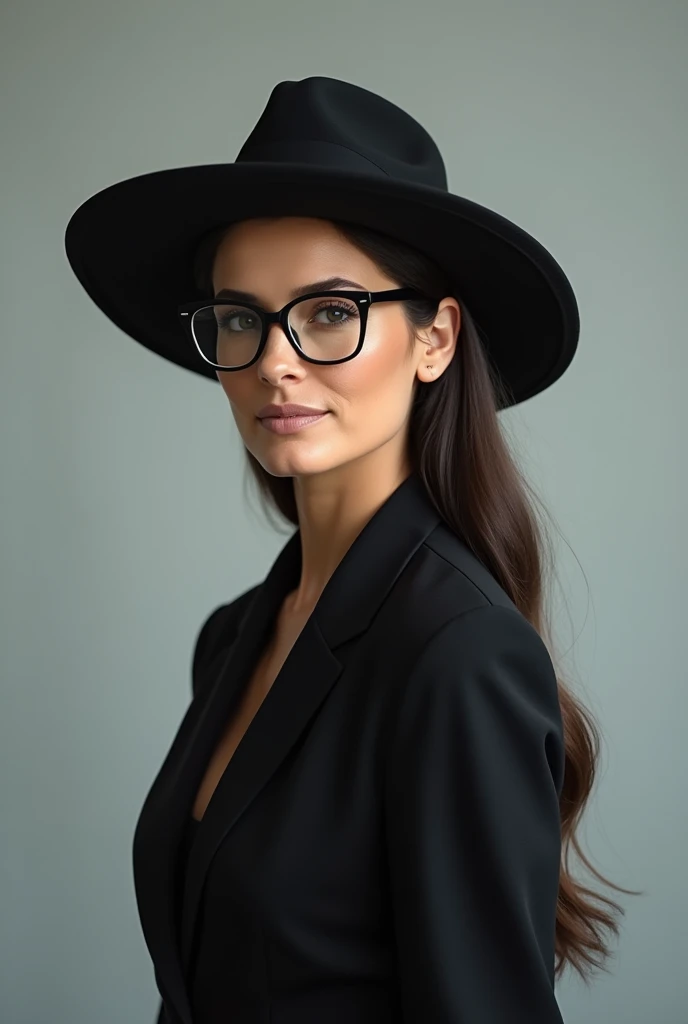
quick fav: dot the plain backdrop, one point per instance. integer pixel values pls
(124, 514)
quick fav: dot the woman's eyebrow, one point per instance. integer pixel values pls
(314, 286)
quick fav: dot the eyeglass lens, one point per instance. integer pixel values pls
(327, 327)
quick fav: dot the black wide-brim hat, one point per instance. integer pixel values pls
(329, 149)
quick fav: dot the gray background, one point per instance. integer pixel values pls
(124, 515)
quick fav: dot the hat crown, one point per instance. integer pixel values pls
(340, 126)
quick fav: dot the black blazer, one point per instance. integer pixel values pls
(384, 845)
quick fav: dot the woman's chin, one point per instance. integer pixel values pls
(292, 463)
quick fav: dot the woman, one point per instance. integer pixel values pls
(361, 817)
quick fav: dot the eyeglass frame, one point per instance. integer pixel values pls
(362, 299)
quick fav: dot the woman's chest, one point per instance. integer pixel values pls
(296, 781)
(310, 844)
(260, 682)
(305, 856)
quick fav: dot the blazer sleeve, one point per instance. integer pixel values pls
(475, 766)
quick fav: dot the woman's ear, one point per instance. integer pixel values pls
(438, 341)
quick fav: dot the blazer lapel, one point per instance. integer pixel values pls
(158, 834)
(300, 687)
(346, 607)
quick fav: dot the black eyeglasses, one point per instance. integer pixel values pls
(323, 327)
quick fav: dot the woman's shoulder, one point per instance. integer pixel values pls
(217, 632)
(468, 582)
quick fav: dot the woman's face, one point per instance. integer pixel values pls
(367, 399)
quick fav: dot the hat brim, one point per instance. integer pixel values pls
(132, 246)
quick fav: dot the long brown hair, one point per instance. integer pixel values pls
(458, 447)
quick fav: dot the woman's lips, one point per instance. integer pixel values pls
(289, 424)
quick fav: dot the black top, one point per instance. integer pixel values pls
(185, 844)
(188, 836)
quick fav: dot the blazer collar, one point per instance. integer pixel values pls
(347, 605)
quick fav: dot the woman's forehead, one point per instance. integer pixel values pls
(286, 253)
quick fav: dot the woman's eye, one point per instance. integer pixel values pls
(237, 321)
(336, 314)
